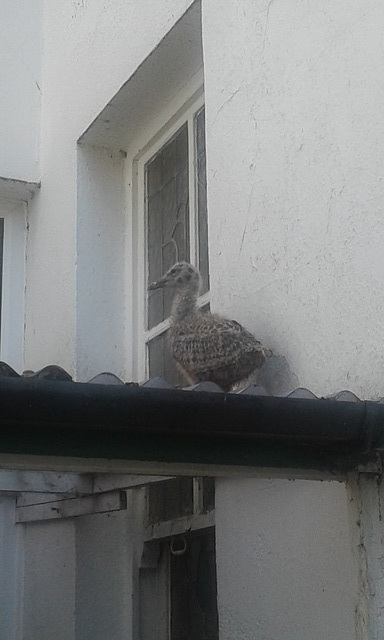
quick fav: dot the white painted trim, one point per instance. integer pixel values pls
(13, 294)
(104, 465)
(156, 331)
(193, 235)
(13, 480)
(36, 485)
(108, 482)
(176, 527)
(182, 108)
(159, 127)
(72, 507)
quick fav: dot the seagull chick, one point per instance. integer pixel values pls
(204, 345)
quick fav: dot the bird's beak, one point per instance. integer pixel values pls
(157, 285)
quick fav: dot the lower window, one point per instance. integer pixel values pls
(193, 596)
(178, 592)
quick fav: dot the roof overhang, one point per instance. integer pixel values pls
(176, 59)
(14, 189)
(87, 427)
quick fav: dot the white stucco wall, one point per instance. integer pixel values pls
(101, 264)
(73, 578)
(295, 156)
(284, 560)
(10, 564)
(104, 576)
(48, 581)
(20, 79)
(293, 138)
(90, 49)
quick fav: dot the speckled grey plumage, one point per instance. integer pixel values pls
(204, 345)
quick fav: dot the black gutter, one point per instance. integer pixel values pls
(45, 418)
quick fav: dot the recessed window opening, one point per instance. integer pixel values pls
(12, 281)
(1, 269)
(193, 587)
(172, 203)
(178, 591)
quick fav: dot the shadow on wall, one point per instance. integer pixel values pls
(275, 376)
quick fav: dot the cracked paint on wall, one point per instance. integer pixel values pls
(295, 188)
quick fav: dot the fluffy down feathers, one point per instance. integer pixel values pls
(204, 345)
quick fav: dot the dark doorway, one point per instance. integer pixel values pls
(193, 587)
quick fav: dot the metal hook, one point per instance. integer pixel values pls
(178, 551)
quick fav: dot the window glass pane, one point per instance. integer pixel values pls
(1, 264)
(167, 218)
(201, 195)
(208, 494)
(170, 499)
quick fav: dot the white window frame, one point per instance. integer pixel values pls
(181, 109)
(13, 286)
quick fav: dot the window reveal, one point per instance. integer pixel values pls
(1, 266)
(178, 592)
(176, 229)
(193, 590)
(167, 218)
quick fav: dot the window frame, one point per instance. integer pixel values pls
(183, 108)
(14, 214)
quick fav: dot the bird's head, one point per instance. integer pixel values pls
(181, 276)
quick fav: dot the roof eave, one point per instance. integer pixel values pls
(84, 426)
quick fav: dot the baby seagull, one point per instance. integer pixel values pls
(204, 345)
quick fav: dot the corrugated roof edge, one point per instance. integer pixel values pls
(54, 372)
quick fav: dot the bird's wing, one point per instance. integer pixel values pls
(214, 343)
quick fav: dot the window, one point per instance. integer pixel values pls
(177, 582)
(12, 262)
(1, 266)
(172, 212)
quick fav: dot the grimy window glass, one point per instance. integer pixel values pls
(1, 265)
(175, 229)
(167, 218)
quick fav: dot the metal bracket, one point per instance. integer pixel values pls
(374, 467)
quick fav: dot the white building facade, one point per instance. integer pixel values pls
(294, 129)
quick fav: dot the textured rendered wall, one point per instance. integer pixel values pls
(295, 194)
(104, 571)
(284, 562)
(10, 562)
(20, 82)
(101, 264)
(295, 125)
(48, 581)
(90, 49)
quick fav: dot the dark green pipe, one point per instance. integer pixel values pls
(41, 417)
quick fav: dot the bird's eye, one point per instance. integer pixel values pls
(190, 269)
(173, 271)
